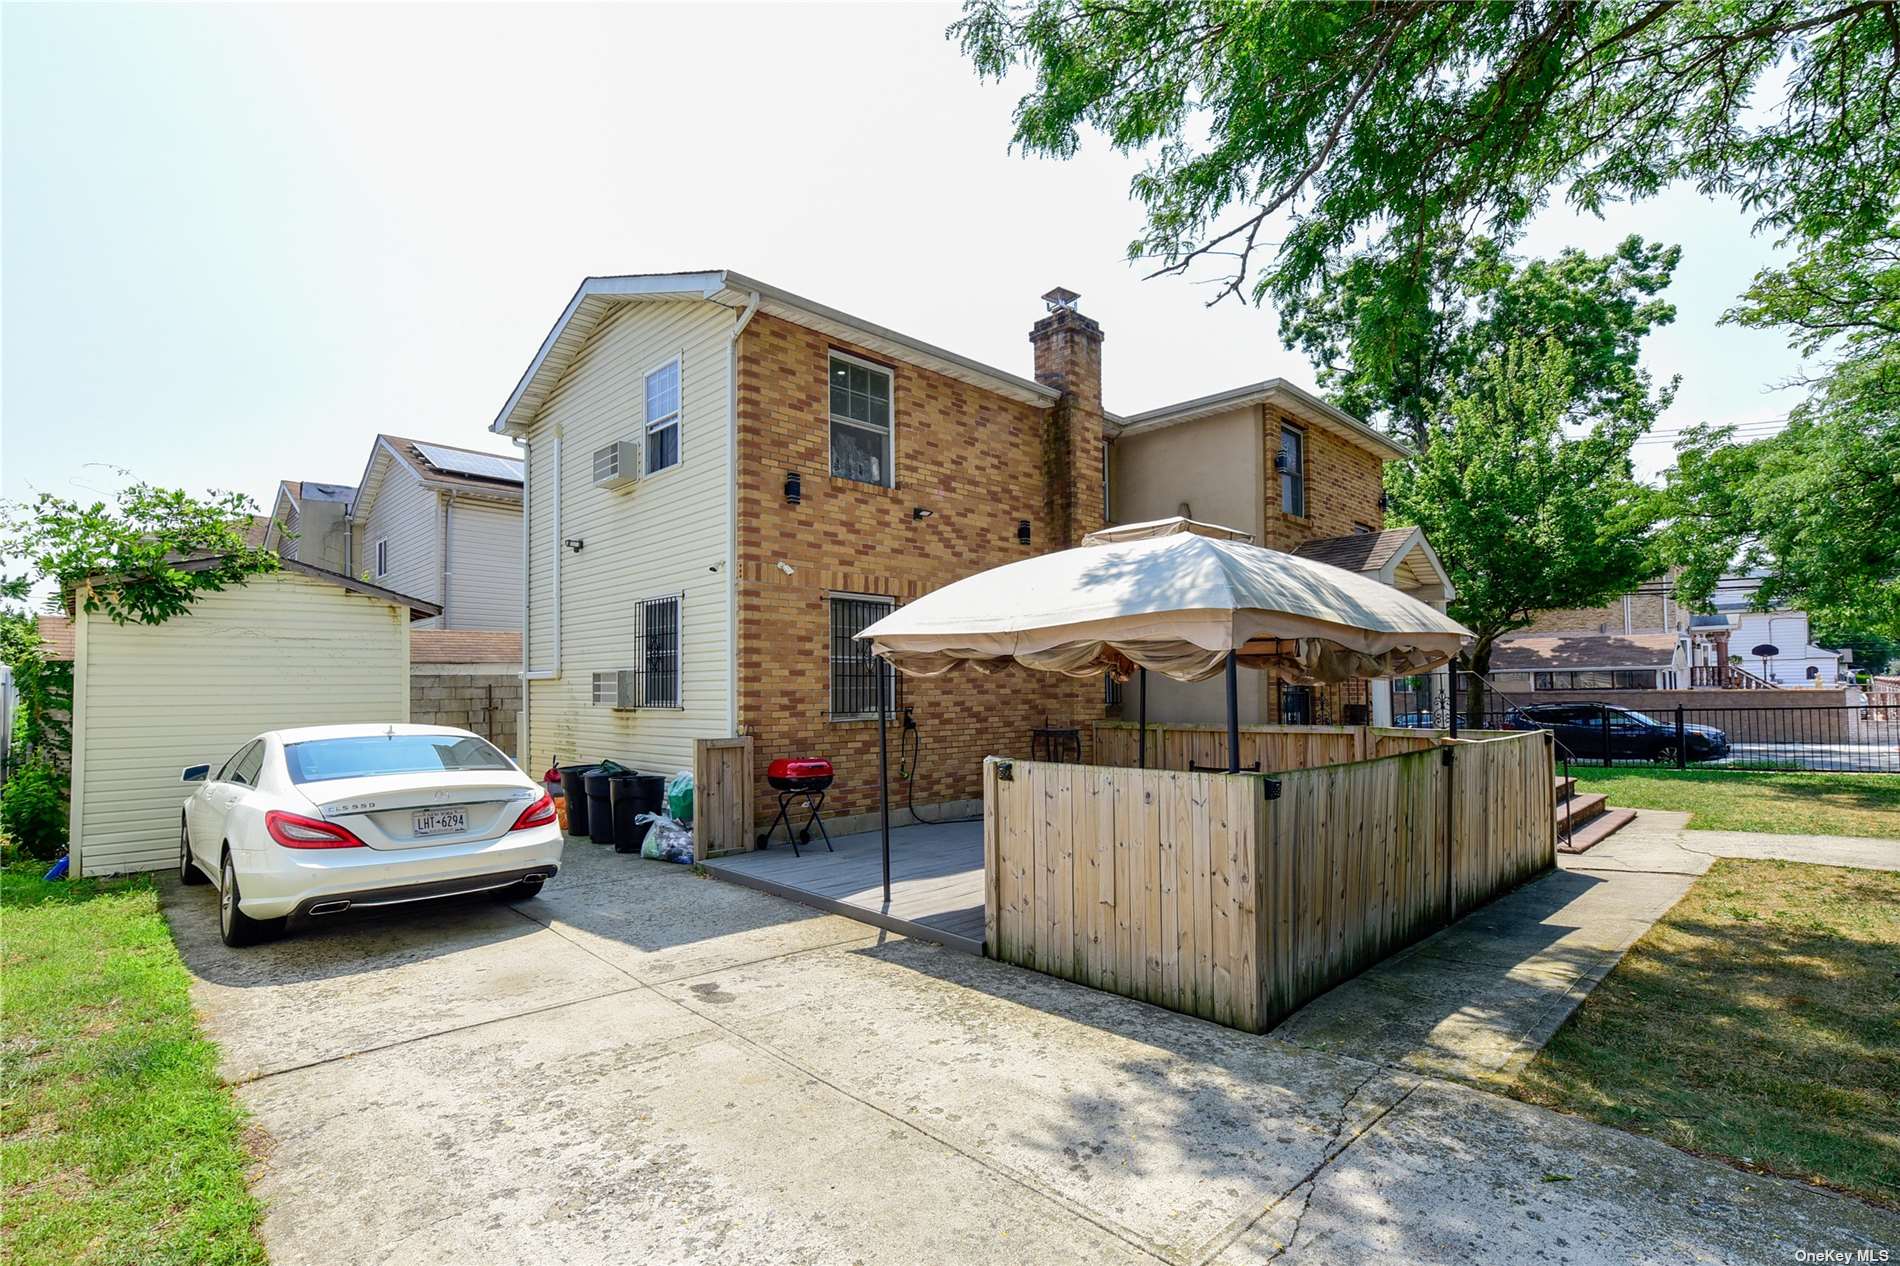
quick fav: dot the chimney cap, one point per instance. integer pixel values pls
(1060, 298)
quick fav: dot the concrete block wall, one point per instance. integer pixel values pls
(484, 703)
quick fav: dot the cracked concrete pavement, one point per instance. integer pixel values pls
(646, 1064)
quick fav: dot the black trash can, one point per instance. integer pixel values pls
(576, 796)
(600, 811)
(633, 795)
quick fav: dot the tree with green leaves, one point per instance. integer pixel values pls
(1397, 366)
(1381, 127)
(1818, 505)
(130, 550)
(1525, 517)
(127, 557)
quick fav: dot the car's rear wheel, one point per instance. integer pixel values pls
(188, 872)
(235, 927)
(526, 890)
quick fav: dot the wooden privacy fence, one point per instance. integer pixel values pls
(722, 795)
(1275, 747)
(1197, 892)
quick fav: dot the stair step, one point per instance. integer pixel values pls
(1604, 825)
(1580, 809)
(1565, 786)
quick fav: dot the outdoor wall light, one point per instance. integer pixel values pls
(919, 514)
(794, 489)
(1385, 502)
(574, 543)
(1022, 531)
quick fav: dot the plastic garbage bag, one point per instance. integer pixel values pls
(667, 840)
(679, 796)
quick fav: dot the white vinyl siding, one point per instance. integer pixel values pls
(484, 565)
(663, 535)
(280, 651)
(284, 513)
(409, 517)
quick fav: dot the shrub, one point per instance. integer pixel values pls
(33, 808)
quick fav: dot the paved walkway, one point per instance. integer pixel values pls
(1478, 1000)
(643, 1063)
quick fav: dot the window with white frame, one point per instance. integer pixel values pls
(860, 420)
(663, 416)
(656, 652)
(382, 558)
(1292, 467)
(854, 669)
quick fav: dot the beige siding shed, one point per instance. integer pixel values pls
(296, 647)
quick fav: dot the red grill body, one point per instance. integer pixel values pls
(799, 775)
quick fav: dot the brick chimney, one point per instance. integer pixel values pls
(1069, 358)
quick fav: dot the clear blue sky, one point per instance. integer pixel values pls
(239, 241)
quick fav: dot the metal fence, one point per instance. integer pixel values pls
(1837, 739)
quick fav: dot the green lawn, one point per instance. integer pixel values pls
(1758, 1022)
(118, 1144)
(1781, 804)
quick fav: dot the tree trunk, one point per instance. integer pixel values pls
(1476, 683)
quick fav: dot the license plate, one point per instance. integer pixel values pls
(441, 821)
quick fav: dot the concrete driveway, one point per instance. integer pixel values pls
(647, 1065)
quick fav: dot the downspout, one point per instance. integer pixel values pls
(528, 671)
(524, 755)
(448, 572)
(732, 513)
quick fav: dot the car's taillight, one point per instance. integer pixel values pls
(540, 813)
(293, 830)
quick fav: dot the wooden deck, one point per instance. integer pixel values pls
(936, 880)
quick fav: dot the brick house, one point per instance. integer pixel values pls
(725, 482)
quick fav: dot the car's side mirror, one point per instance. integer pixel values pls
(195, 773)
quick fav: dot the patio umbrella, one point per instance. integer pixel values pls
(1182, 598)
(1185, 599)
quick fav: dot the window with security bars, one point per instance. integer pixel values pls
(854, 669)
(656, 652)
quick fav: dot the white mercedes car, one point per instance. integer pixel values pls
(317, 821)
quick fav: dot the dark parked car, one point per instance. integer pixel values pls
(1631, 735)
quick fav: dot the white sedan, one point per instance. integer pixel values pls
(330, 818)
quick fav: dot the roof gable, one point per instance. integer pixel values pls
(598, 296)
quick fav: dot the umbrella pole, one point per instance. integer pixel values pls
(1233, 712)
(883, 774)
(1141, 744)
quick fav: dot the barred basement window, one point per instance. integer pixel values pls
(656, 652)
(854, 669)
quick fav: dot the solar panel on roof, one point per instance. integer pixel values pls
(476, 465)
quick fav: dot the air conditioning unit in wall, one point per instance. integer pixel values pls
(617, 465)
(615, 689)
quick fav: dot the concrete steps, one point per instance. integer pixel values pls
(1585, 819)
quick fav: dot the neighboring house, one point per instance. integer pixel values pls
(444, 524)
(1594, 662)
(310, 522)
(726, 482)
(1799, 663)
(300, 646)
(435, 521)
(1646, 640)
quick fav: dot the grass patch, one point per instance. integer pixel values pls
(118, 1144)
(1758, 1022)
(1780, 804)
